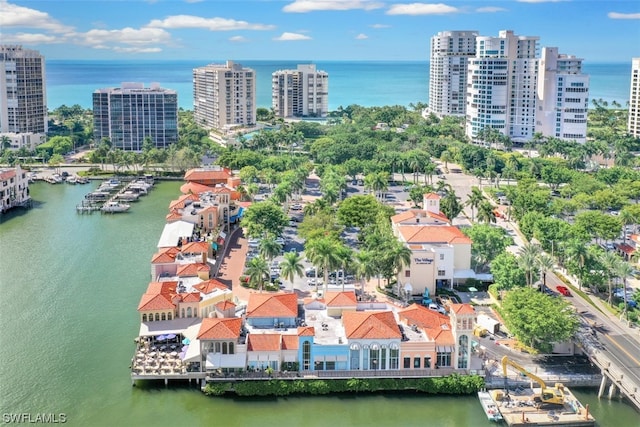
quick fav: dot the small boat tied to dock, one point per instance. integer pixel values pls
(489, 406)
(114, 195)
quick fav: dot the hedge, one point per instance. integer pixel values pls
(452, 384)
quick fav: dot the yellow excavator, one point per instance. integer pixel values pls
(553, 396)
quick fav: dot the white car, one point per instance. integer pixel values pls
(280, 241)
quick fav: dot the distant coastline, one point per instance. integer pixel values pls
(367, 83)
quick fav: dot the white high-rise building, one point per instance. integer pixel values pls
(129, 114)
(23, 92)
(501, 86)
(563, 96)
(224, 96)
(450, 51)
(634, 99)
(300, 92)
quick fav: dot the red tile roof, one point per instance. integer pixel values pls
(7, 174)
(203, 175)
(437, 326)
(216, 328)
(225, 305)
(433, 234)
(166, 288)
(272, 305)
(173, 216)
(306, 331)
(622, 247)
(192, 269)
(432, 196)
(155, 302)
(210, 285)
(195, 248)
(165, 255)
(194, 188)
(462, 308)
(190, 297)
(341, 299)
(370, 325)
(263, 342)
(419, 213)
(290, 342)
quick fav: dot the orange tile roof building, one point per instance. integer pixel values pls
(440, 251)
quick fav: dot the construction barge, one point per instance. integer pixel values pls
(539, 406)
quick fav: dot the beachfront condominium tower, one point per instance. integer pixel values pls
(303, 92)
(129, 114)
(224, 96)
(450, 51)
(501, 86)
(23, 93)
(634, 99)
(563, 96)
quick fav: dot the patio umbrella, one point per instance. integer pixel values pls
(173, 353)
(161, 338)
(169, 336)
(186, 341)
(184, 348)
(183, 355)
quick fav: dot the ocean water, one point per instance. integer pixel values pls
(366, 83)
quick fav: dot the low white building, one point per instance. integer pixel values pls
(439, 249)
(14, 188)
(28, 140)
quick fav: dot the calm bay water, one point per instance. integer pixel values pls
(69, 288)
(366, 83)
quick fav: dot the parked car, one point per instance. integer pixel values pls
(563, 290)
(296, 207)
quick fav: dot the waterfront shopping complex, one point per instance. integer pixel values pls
(195, 324)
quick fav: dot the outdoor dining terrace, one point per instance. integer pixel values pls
(162, 355)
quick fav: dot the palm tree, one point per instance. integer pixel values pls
(623, 270)
(291, 267)
(609, 261)
(322, 253)
(365, 266)
(446, 157)
(475, 198)
(400, 257)
(486, 213)
(575, 251)
(529, 260)
(258, 272)
(344, 255)
(269, 248)
(626, 218)
(546, 264)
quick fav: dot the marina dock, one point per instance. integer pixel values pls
(113, 195)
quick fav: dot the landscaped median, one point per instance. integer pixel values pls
(451, 384)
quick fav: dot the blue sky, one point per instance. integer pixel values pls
(597, 30)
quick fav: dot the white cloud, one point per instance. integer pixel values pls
(490, 9)
(304, 6)
(18, 16)
(29, 38)
(137, 49)
(126, 36)
(378, 26)
(238, 39)
(291, 37)
(617, 15)
(211, 24)
(362, 36)
(421, 9)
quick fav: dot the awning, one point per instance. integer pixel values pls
(173, 232)
(445, 349)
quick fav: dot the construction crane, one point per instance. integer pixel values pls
(547, 395)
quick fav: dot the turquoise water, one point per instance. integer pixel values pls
(69, 288)
(367, 83)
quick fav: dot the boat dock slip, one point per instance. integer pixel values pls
(519, 409)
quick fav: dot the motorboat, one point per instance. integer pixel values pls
(72, 179)
(98, 195)
(128, 196)
(115, 207)
(489, 406)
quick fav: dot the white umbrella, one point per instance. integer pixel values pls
(174, 353)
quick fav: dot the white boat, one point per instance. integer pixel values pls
(115, 207)
(489, 406)
(128, 196)
(72, 179)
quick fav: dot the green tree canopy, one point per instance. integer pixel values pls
(507, 272)
(537, 319)
(264, 218)
(361, 211)
(488, 242)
